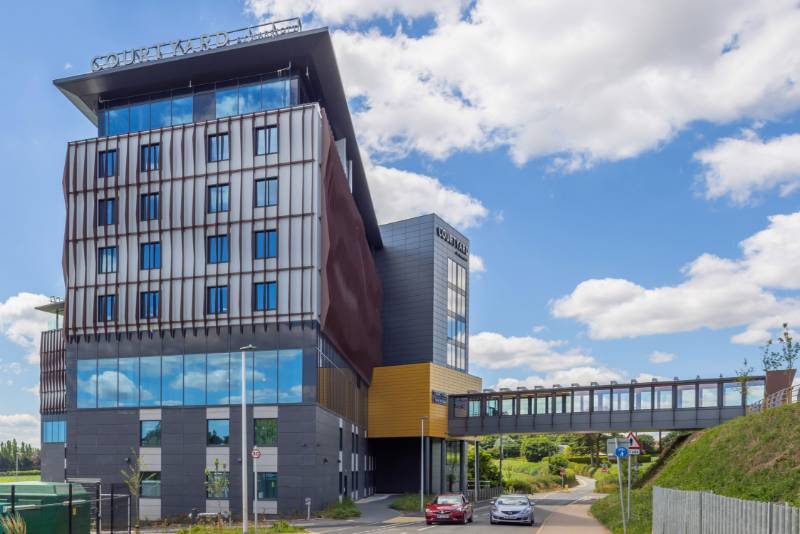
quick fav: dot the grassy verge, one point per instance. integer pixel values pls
(22, 478)
(520, 475)
(279, 527)
(409, 502)
(608, 512)
(343, 510)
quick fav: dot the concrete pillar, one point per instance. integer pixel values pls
(477, 467)
(427, 478)
(463, 466)
(442, 475)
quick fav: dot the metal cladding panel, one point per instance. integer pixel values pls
(53, 380)
(351, 289)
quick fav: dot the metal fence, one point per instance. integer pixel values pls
(779, 398)
(700, 512)
(485, 492)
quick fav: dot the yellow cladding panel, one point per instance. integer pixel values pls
(400, 395)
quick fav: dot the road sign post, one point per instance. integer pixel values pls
(621, 453)
(255, 454)
(634, 448)
(562, 472)
(308, 508)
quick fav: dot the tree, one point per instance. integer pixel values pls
(648, 443)
(743, 375)
(536, 448)
(556, 463)
(486, 466)
(132, 477)
(218, 483)
(788, 354)
(511, 447)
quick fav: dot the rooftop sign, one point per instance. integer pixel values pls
(455, 242)
(181, 47)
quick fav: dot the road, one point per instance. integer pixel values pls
(556, 513)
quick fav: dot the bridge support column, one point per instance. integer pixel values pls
(462, 466)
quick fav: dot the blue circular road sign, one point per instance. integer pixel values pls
(621, 452)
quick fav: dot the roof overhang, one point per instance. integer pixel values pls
(308, 51)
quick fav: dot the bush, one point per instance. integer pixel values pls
(537, 448)
(557, 463)
(343, 510)
(409, 502)
(580, 460)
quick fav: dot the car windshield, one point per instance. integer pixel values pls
(447, 499)
(512, 501)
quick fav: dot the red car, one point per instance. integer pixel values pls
(450, 508)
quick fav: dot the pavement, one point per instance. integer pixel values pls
(555, 513)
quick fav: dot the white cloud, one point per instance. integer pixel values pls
(476, 264)
(491, 350)
(22, 324)
(661, 357)
(399, 194)
(10, 367)
(716, 293)
(739, 167)
(578, 81)
(22, 427)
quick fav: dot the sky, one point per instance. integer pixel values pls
(627, 173)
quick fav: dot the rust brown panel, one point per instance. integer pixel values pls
(351, 289)
(53, 385)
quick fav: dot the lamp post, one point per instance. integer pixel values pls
(422, 464)
(244, 436)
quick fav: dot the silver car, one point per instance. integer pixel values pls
(512, 509)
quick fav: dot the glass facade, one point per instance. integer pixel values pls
(686, 396)
(107, 260)
(148, 304)
(54, 431)
(267, 486)
(731, 394)
(206, 103)
(456, 315)
(265, 432)
(106, 308)
(150, 157)
(148, 207)
(663, 398)
(150, 485)
(217, 249)
(755, 391)
(218, 147)
(190, 380)
(707, 397)
(217, 300)
(106, 163)
(218, 198)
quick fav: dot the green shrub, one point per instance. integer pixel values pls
(537, 448)
(587, 460)
(557, 463)
(343, 510)
(409, 502)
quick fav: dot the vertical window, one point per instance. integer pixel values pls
(217, 491)
(474, 408)
(217, 249)
(267, 486)
(150, 433)
(218, 149)
(128, 382)
(119, 120)
(708, 396)
(541, 405)
(266, 192)
(621, 399)
(87, 383)
(266, 432)
(182, 110)
(217, 300)
(140, 117)
(107, 382)
(456, 315)
(266, 296)
(266, 244)
(150, 385)
(290, 376)
(249, 98)
(106, 308)
(507, 405)
(106, 163)
(663, 398)
(642, 399)
(150, 159)
(148, 304)
(226, 102)
(151, 485)
(218, 198)
(265, 378)
(686, 396)
(150, 255)
(732, 394)
(194, 382)
(106, 211)
(159, 113)
(580, 401)
(602, 400)
(266, 140)
(107, 260)
(491, 407)
(755, 391)
(148, 207)
(218, 379)
(172, 380)
(54, 431)
(218, 432)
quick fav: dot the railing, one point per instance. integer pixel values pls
(485, 491)
(700, 512)
(789, 395)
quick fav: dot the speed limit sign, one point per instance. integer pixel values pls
(255, 454)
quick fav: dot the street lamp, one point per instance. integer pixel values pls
(244, 436)
(422, 463)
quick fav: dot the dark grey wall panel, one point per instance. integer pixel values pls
(100, 441)
(53, 462)
(183, 460)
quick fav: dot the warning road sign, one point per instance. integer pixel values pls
(633, 442)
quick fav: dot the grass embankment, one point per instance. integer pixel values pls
(522, 476)
(753, 457)
(409, 502)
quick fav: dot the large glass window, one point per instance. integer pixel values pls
(580, 401)
(148, 207)
(602, 400)
(54, 431)
(151, 485)
(218, 198)
(507, 406)
(755, 391)
(542, 405)
(236, 377)
(217, 300)
(107, 260)
(160, 113)
(266, 244)
(218, 379)
(524, 406)
(491, 407)
(457, 313)
(266, 432)
(150, 159)
(106, 211)
(150, 433)
(732, 394)
(266, 140)
(474, 407)
(172, 380)
(290, 376)
(643, 399)
(118, 120)
(217, 249)
(150, 255)
(106, 308)
(150, 387)
(218, 148)
(265, 377)
(227, 102)
(621, 399)
(87, 383)
(204, 104)
(708, 396)
(267, 486)
(194, 379)
(182, 110)
(249, 98)
(266, 296)
(219, 432)
(140, 117)
(128, 382)
(686, 396)
(148, 304)
(107, 383)
(266, 192)
(275, 94)
(663, 398)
